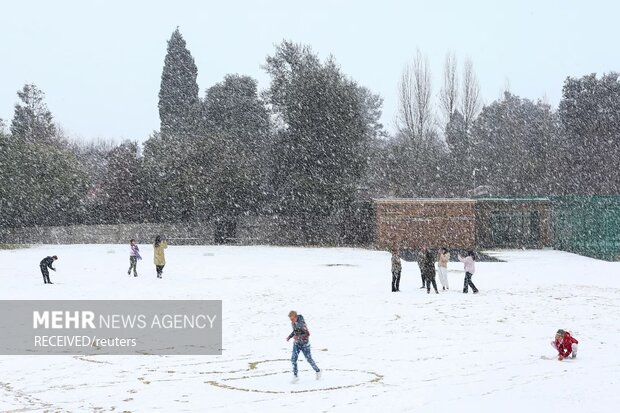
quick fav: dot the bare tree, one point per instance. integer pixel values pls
(506, 87)
(449, 93)
(406, 109)
(415, 115)
(470, 103)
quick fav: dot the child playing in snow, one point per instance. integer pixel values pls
(442, 267)
(301, 334)
(134, 256)
(565, 344)
(470, 268)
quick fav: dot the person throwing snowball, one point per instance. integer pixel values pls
(301, 336)
(470, 268)
(134, 256)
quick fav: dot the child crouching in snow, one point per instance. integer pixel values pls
(565, 344)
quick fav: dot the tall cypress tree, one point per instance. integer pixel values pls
(178, 93)
(179, 110)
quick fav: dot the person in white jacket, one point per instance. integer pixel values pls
(442, 267)
(470, 268)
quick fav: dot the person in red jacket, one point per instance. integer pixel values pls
(565, 344)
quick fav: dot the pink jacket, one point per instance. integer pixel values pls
(469, 264)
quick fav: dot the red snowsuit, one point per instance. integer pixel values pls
(565, 345)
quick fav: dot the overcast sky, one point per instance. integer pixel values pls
(100, 62)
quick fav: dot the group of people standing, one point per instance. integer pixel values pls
(426, 262)
(159, 258)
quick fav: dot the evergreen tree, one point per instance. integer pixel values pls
(170, 185)
(41, 182)
(123, 185)
(40, 185)
(512, 143)
(179, 104)
(166, 153)
(238, 139)
(32, 120)
(590, 117)
(320, 151)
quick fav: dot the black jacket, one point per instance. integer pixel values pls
(427, 265)
(47, 262)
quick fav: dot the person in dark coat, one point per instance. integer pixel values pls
(428, 270)
(396, 269)
(421, 258)
(45, 264)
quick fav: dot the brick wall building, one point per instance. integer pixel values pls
(412, 223)
(462, 223)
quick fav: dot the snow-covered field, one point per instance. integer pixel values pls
(380, 351)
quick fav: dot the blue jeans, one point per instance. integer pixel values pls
(304, 348)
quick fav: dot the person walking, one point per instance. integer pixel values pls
(396, 269)
(442, 267)
(159, 256)
(134, 256)
(428, 270)
(44, 265)
(470, 267)
(301, 336)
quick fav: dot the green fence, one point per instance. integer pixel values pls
(587, 225)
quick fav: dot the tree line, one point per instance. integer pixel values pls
(310, 145)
